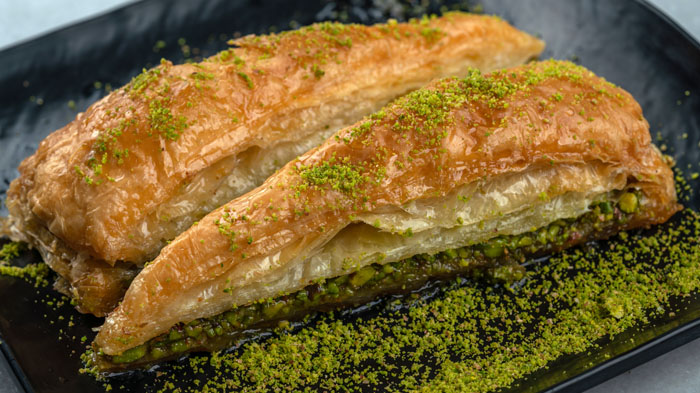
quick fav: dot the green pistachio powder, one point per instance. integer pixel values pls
(37, 273)
(473, 336)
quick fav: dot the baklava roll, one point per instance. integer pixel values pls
(104, 194)
(483, 171)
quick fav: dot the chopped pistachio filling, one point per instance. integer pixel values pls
(498, 259)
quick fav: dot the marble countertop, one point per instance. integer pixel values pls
(677, 371)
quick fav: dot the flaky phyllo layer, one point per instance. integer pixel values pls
(459, 162)
(510, 205)
(496, 259)
(104, 194)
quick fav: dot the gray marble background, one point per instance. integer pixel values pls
(675, 372)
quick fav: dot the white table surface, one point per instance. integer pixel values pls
(677, 371)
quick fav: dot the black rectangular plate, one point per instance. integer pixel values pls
(628, 42)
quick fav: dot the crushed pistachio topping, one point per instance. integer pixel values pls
(338, 175)
(10, 251)
(226, 223)
(246, 78)
(152, 88)
(36, 273)
(317, 45)
(202, 75)
(162, 120)
(141, 82)
(428, 112)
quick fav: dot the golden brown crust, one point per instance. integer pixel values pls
(98, 219)
(96, 286)
(426, 144)
(98, 182)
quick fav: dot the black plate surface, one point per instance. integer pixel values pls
(627, 42)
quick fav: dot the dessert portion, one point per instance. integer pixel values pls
(464, 175)
(104, 194)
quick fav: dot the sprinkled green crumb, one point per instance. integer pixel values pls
(202, 76)
(162, 120)
(339, 176)
(36, 273)
(11, 250)
(141, 81)
(247, 79)
(159, 45)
